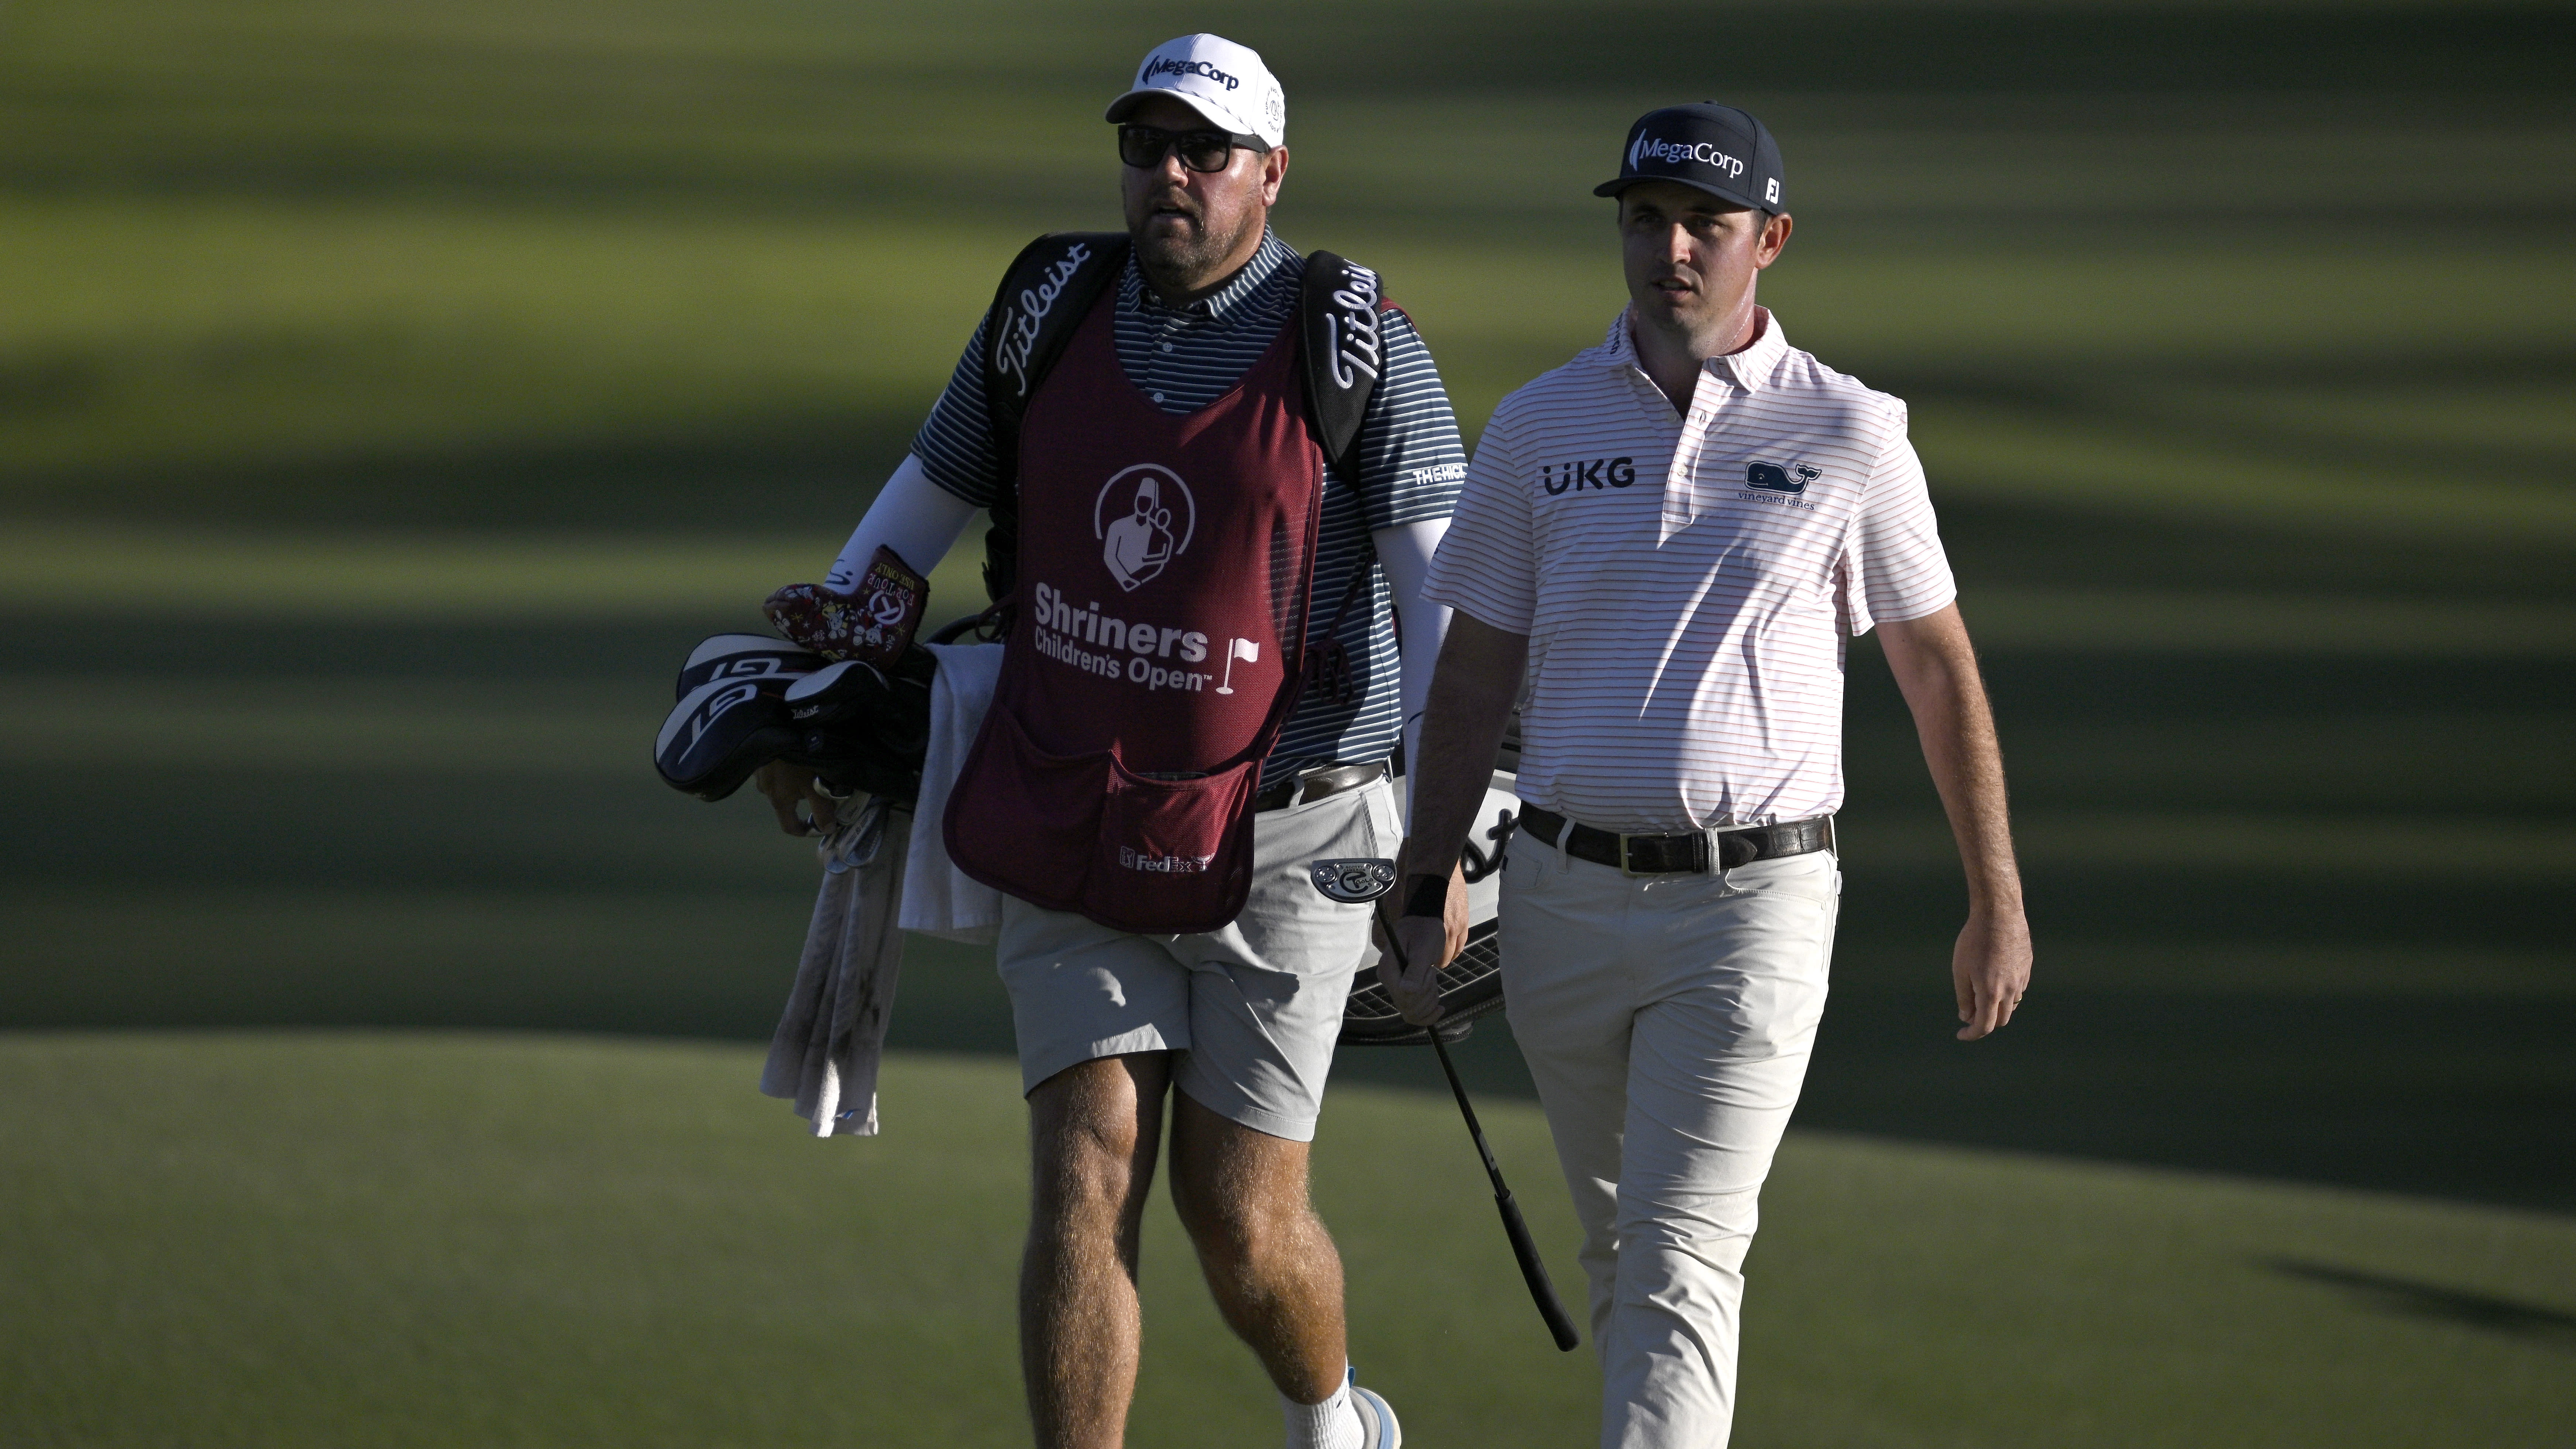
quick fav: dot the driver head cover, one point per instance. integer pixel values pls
(720, 732)
(743, 656)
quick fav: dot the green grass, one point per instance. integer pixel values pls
(420, 1240)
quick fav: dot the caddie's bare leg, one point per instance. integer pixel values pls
(1273, 1269)
(1093, 1131)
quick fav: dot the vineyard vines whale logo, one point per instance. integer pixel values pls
(1773, 478)
(1144, 519)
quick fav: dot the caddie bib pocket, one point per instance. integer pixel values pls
(1031, 814)
(1174, 855)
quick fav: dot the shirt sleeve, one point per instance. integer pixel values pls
(955, 445)
(1893, 566)
(1408, 453)
(1487, 566)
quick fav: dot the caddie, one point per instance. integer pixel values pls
(1217, 472)
(1672, 537)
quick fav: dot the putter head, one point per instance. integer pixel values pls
(743, 656)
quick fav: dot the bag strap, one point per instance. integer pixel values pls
(1045, 293)
(1326, 668)
(1338, 333)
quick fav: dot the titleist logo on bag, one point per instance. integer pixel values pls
(1356, 337)
(1011, 349)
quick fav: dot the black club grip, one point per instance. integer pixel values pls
(1534, 1272)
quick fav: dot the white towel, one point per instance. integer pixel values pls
(831, 1037)
(938, 898)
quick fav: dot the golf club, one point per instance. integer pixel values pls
(1369, 881)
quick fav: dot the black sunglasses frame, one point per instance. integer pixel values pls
(1166, 142)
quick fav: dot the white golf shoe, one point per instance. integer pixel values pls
(1378, 1429)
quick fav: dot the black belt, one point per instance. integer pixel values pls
(1691, 851)
(1318, 783)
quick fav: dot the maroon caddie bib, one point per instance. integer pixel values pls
(1165, 565)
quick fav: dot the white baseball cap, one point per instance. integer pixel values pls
(1223, 81)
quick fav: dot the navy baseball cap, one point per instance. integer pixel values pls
(1723, 151)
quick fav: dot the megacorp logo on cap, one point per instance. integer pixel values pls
(1175, 65)
(1656, 148)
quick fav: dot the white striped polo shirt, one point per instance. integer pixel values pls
(1688, 582)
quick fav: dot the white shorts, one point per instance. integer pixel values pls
(1255, 1007)
(1667, 1022)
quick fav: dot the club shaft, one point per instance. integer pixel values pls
(1467, 1110)
(1542, 1290)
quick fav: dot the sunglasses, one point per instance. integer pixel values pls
(1144, 147)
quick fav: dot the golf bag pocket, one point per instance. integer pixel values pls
(1025, 821)
(1173, 856)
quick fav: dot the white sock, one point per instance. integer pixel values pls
(1332, 1424)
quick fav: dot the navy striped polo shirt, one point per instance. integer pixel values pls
(1410, 461)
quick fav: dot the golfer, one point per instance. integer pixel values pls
(1673, 535)
(1166, 749)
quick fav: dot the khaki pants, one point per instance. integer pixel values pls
(1667, 1021)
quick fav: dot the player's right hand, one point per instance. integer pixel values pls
(788, 786)
(1424, 943)
(1427, 943)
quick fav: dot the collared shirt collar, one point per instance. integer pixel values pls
(1749, 368)
(1686, 494)
(1266, 262)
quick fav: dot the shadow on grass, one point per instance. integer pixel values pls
(2411, 1299)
